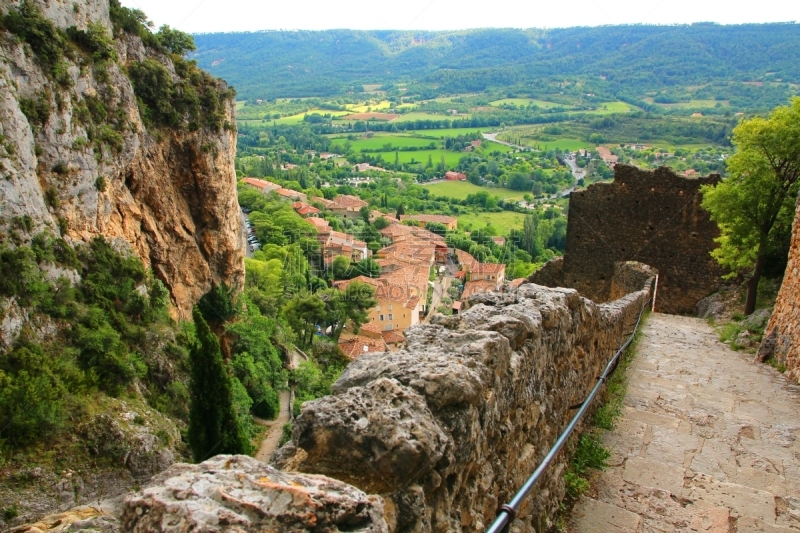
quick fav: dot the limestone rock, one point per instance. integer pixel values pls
(238, 493)
(711, 306)
(782, 334)
(169, 196)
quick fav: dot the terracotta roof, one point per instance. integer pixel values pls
(516, 283)
(474, 287)
(393, 337)
(353, 346)
(288, 193)
(465, 259)
(488, 268)
(308, 210)
(375, 215)
(499, 241)
(261, 184)
(323, 201)
(394, 230)
(319, 223)
(457, 306)
(346, 201)
(370, 330)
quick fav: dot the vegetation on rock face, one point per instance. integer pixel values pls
(755, 204)
(111, 328)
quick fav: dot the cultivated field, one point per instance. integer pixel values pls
(370, 116)
(502, 222)
(524, 102)
(460, 189)
(418, 115)
(380, 140)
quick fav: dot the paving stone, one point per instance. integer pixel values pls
(653, 474)
(592, 516)
(708, 441)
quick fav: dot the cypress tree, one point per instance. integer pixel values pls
(213, 426)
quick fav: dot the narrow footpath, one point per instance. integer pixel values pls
(275, 427)
(708, 442)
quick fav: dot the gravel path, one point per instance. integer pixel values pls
(708, 442)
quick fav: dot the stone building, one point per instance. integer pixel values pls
(653, 217)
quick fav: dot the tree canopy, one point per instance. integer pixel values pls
(757, 198)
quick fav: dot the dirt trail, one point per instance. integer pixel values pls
(273, 436)
(708, 442)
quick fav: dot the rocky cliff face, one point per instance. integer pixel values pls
(782, 335)
(77, 159)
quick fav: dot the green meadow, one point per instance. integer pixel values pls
(460, 189)
(524, 102)
(503, 222)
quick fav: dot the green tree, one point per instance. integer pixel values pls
(350, 305)
(381, 223)
(401, 210)
(175, 41)
(304, 313)
(758, 196)
(340, 268)
(530, 236)
(214, 427)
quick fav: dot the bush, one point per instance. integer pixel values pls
(37, 111)
(94, 40)
(29, 25)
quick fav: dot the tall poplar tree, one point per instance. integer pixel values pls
(213, 426)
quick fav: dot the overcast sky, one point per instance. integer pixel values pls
(198, 16)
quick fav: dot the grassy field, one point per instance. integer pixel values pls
(502, 222)
(379, 141)
(298, 118)
(449, 132)
(418, 115)
(460, 189)
(563, 144)
(606, 108)
(369, 106)
(524, 102)
(694, 103)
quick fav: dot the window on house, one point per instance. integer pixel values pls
(391, 316)
(390, 307)
(381, 318)
(378, 308)
(388, 327)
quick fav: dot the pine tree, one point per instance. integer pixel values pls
(213, 426)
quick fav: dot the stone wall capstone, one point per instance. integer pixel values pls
(782, 335)
(653, 217)
(451, 427)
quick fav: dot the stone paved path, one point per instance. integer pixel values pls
(708, 442)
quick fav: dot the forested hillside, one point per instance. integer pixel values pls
(615, 59)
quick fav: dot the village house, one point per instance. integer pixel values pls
(288, 194)
(264, 186)
(305, 210)
(450, 223)
(606, 155)
(335, 244)
(347, 206)
(319, 223)
(479, 277)
(455, 176)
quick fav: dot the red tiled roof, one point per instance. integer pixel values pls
(474, 287)
(319, 223)
(516, 283)
(346, 201)
(353, 345)
(261, 184)
(393, 337)
(488, 268)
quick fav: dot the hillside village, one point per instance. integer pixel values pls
(394, 276)
(418, 270)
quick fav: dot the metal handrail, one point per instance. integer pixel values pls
(506, 513)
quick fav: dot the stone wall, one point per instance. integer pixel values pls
(782, 335)
(449, 428)
(653, 217)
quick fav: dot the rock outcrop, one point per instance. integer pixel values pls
(782, 335)
(449, 428)
(238, 493)
(77, 159)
